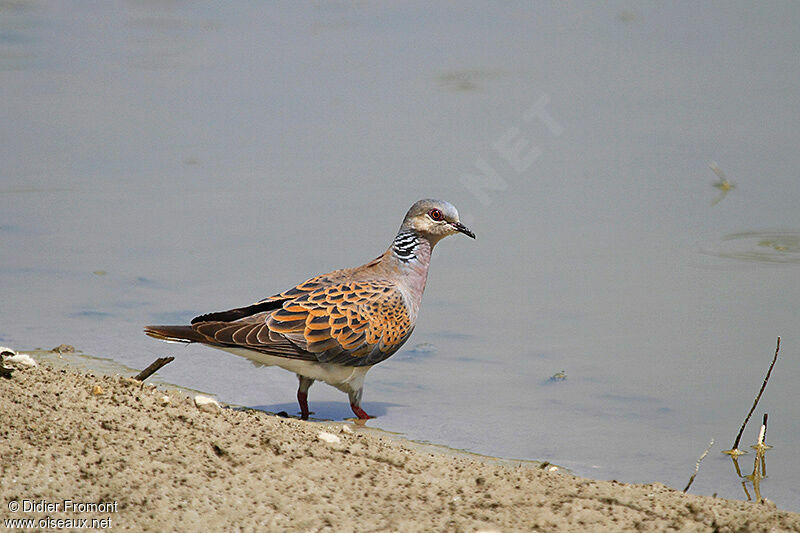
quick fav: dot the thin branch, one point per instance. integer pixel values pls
(760, 392)
(763, 447)
(697, 465)
(153, 368)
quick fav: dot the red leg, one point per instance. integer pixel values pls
(360, 412)
(302, 399)
(302, 396)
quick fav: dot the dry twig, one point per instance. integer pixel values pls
(735, 450)
(153, 368)
(697, 465)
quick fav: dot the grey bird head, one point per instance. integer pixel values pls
(434, 219)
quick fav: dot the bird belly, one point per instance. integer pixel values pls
(344, 378)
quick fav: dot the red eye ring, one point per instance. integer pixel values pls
(436, 215)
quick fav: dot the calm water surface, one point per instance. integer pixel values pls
(163, 159)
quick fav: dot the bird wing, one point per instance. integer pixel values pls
(353, 323)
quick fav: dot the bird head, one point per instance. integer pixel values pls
(434, 219)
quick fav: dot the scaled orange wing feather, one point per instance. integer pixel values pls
(352, 323)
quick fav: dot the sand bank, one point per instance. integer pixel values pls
(147, 459)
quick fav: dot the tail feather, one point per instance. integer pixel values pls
(174, 333)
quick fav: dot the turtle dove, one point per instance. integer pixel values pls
(334, 327)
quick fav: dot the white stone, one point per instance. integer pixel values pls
(330, 438)
(21, 359)
(207, 404)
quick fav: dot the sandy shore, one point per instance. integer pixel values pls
(82, 446)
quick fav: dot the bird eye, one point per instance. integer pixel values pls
(436, 215)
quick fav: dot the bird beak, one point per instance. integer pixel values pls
(461, 228)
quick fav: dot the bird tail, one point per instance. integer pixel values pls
(174, 333)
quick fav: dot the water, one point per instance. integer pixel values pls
(163, 159)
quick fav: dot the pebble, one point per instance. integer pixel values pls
(20, 360)
(64, 348)
(97, 390)
(6, 371)
(207, 404)
(165, 400)
(330, 438)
